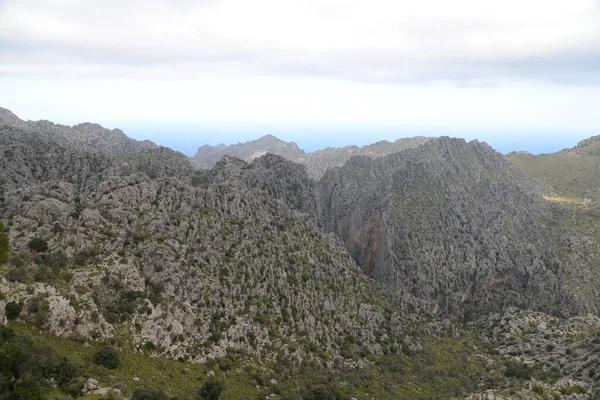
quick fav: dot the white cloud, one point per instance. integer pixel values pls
(425, 40)
(502, 64)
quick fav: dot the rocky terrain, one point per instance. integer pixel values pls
(451, 226)
(440, 270)
(316, 162)
(86, 136)
(230, 252)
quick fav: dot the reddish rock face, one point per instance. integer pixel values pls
(365, 242)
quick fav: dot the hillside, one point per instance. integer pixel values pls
(574, 172)
(417, 274)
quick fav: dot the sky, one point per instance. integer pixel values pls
(519, 74)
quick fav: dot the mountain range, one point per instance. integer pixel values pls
(316, 163)
(420, 268)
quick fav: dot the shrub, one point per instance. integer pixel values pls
(321, 392)
(517, 370)
(4, 246)
(16, 274)
(107, 357)
(211, 389)
(38, 310)
(148, 394)
(12, 310)
(67, 371)
(56, 261)
(38, 245)
(75, 385)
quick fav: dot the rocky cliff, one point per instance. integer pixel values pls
(451, 226)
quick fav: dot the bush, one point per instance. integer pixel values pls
(16, 275)
(56, 261)
(12, 310)
(4, 246)
(147, 394)
(67, 371)
(38, 310)
(107, 357)
(38, 245)
(75, 385)
(211, 389)
(321, 392)
(517, 370)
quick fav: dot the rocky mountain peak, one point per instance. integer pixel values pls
(85, 136)
(7, 117)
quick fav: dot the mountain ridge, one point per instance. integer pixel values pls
(317, 162)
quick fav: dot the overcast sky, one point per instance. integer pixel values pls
(520, 73)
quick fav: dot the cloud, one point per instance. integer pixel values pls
(468, 42)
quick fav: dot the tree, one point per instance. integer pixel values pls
(4, 245)
(12, 310)
(107, 357)
(211, 389)
(321, 392)
(38, 245)
(148, 394)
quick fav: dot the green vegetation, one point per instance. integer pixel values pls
(446, 366)
(4, 244)
(38, 245)
(573, 172)
(12, 310)
(517, 370)
(107, 357)
(211, 389)
(149, 394)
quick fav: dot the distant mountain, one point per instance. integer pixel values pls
(208, 156)
(85, 136)
(574, 172)
(316, 162)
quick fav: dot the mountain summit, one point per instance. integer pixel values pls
(84, 136)
(208, 156)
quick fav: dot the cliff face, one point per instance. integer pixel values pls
(450, 226)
